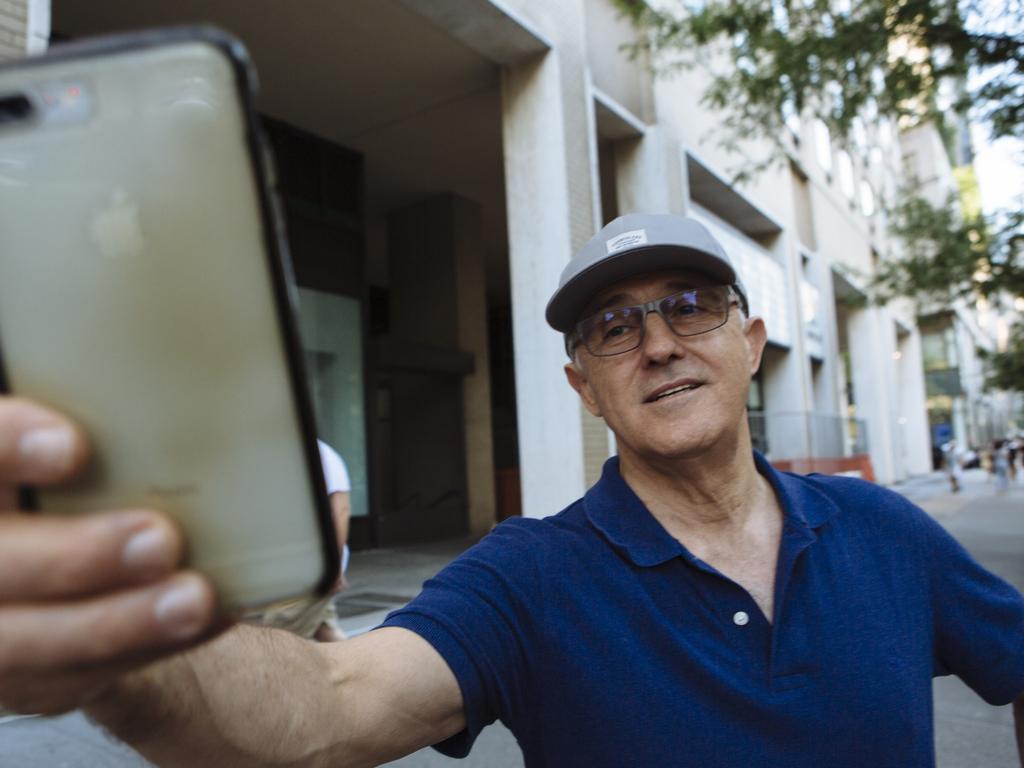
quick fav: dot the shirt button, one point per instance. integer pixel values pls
(740, 618)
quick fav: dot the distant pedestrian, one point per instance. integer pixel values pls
(1001, 464)
(952, 461)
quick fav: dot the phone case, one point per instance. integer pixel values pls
(145, 290)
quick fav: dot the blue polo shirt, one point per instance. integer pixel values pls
(599, 640)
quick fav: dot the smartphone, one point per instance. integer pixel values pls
(145, 290)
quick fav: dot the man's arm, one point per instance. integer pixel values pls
(88, 604)
(1018, 723)
(264, 697)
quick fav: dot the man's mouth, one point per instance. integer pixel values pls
(675, 390)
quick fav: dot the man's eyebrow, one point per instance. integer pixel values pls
(625, 300)
(615, 300)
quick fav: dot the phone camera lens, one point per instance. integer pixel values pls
(14, 108)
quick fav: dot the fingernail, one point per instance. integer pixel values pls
(52, 446)
(149, 552)
(181, 609)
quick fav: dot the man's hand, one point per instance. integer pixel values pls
(82, 599)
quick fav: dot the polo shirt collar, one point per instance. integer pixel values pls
(615, 510)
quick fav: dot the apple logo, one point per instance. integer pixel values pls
(116, 229)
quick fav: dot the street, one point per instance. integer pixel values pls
(969, 733)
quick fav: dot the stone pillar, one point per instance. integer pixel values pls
(872, 341)
(24, 27)
(439, 297)
(649, 174)
(913, 406)
(13, 28)
(541, 241)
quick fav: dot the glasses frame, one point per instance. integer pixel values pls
(733, 298)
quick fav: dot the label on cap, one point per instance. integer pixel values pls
(626, 240)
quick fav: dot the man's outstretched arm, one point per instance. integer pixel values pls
(265, 697)
(95, 613)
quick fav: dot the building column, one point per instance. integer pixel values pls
(913, 406)
(540, 212)
(471, 298)
(439, 297)
(790, 418)
(13, 28)
(872, 342)
(649, 174)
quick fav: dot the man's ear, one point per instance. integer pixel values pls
(757, 337)
(577, 378)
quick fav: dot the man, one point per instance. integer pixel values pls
(694, 608)
(952, 460)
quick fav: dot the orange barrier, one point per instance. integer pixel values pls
(859, 465)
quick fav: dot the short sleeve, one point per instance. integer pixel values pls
(335, 472)
(481, 613)
(979, 621)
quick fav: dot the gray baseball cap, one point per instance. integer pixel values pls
(636, 244)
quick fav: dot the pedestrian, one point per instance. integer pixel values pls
(1001, 464)
(695, 608)
(1013, 449)
(953, 463)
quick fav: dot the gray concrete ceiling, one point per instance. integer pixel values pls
(372, 75)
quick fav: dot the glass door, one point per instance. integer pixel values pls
(331, 329)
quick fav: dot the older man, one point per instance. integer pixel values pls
(696, 607)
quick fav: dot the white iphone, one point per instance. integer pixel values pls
(145, 290)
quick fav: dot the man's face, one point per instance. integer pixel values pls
(634, 391)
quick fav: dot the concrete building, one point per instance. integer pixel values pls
(440, 162)
(959, 404)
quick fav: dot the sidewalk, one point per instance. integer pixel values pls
(381, 580)
(932, 492)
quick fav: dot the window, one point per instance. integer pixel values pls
(823, 145)
(867, 199)
(845, 168)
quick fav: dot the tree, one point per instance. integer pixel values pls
(910, 61)
(875, 57)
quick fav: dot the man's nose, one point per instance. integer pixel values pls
(660, 342)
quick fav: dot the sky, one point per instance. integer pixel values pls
(999, 166)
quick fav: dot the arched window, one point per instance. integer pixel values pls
(844, 165)
(867, 199)
(823, 145)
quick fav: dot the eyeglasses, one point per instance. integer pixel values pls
(687, 313)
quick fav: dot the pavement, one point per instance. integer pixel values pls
(969, 733)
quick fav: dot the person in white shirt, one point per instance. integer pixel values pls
(338, 487)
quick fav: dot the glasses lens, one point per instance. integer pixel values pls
(697, 310)
(613, 331)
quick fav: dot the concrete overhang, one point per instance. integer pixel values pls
(713, 192)
(487, 27)
(844, 288)
(614, 121)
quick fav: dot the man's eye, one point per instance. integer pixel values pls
(616, 331)
(686, 309)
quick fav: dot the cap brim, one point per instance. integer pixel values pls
(567, 305)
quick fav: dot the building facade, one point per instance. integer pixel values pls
(440, 162)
